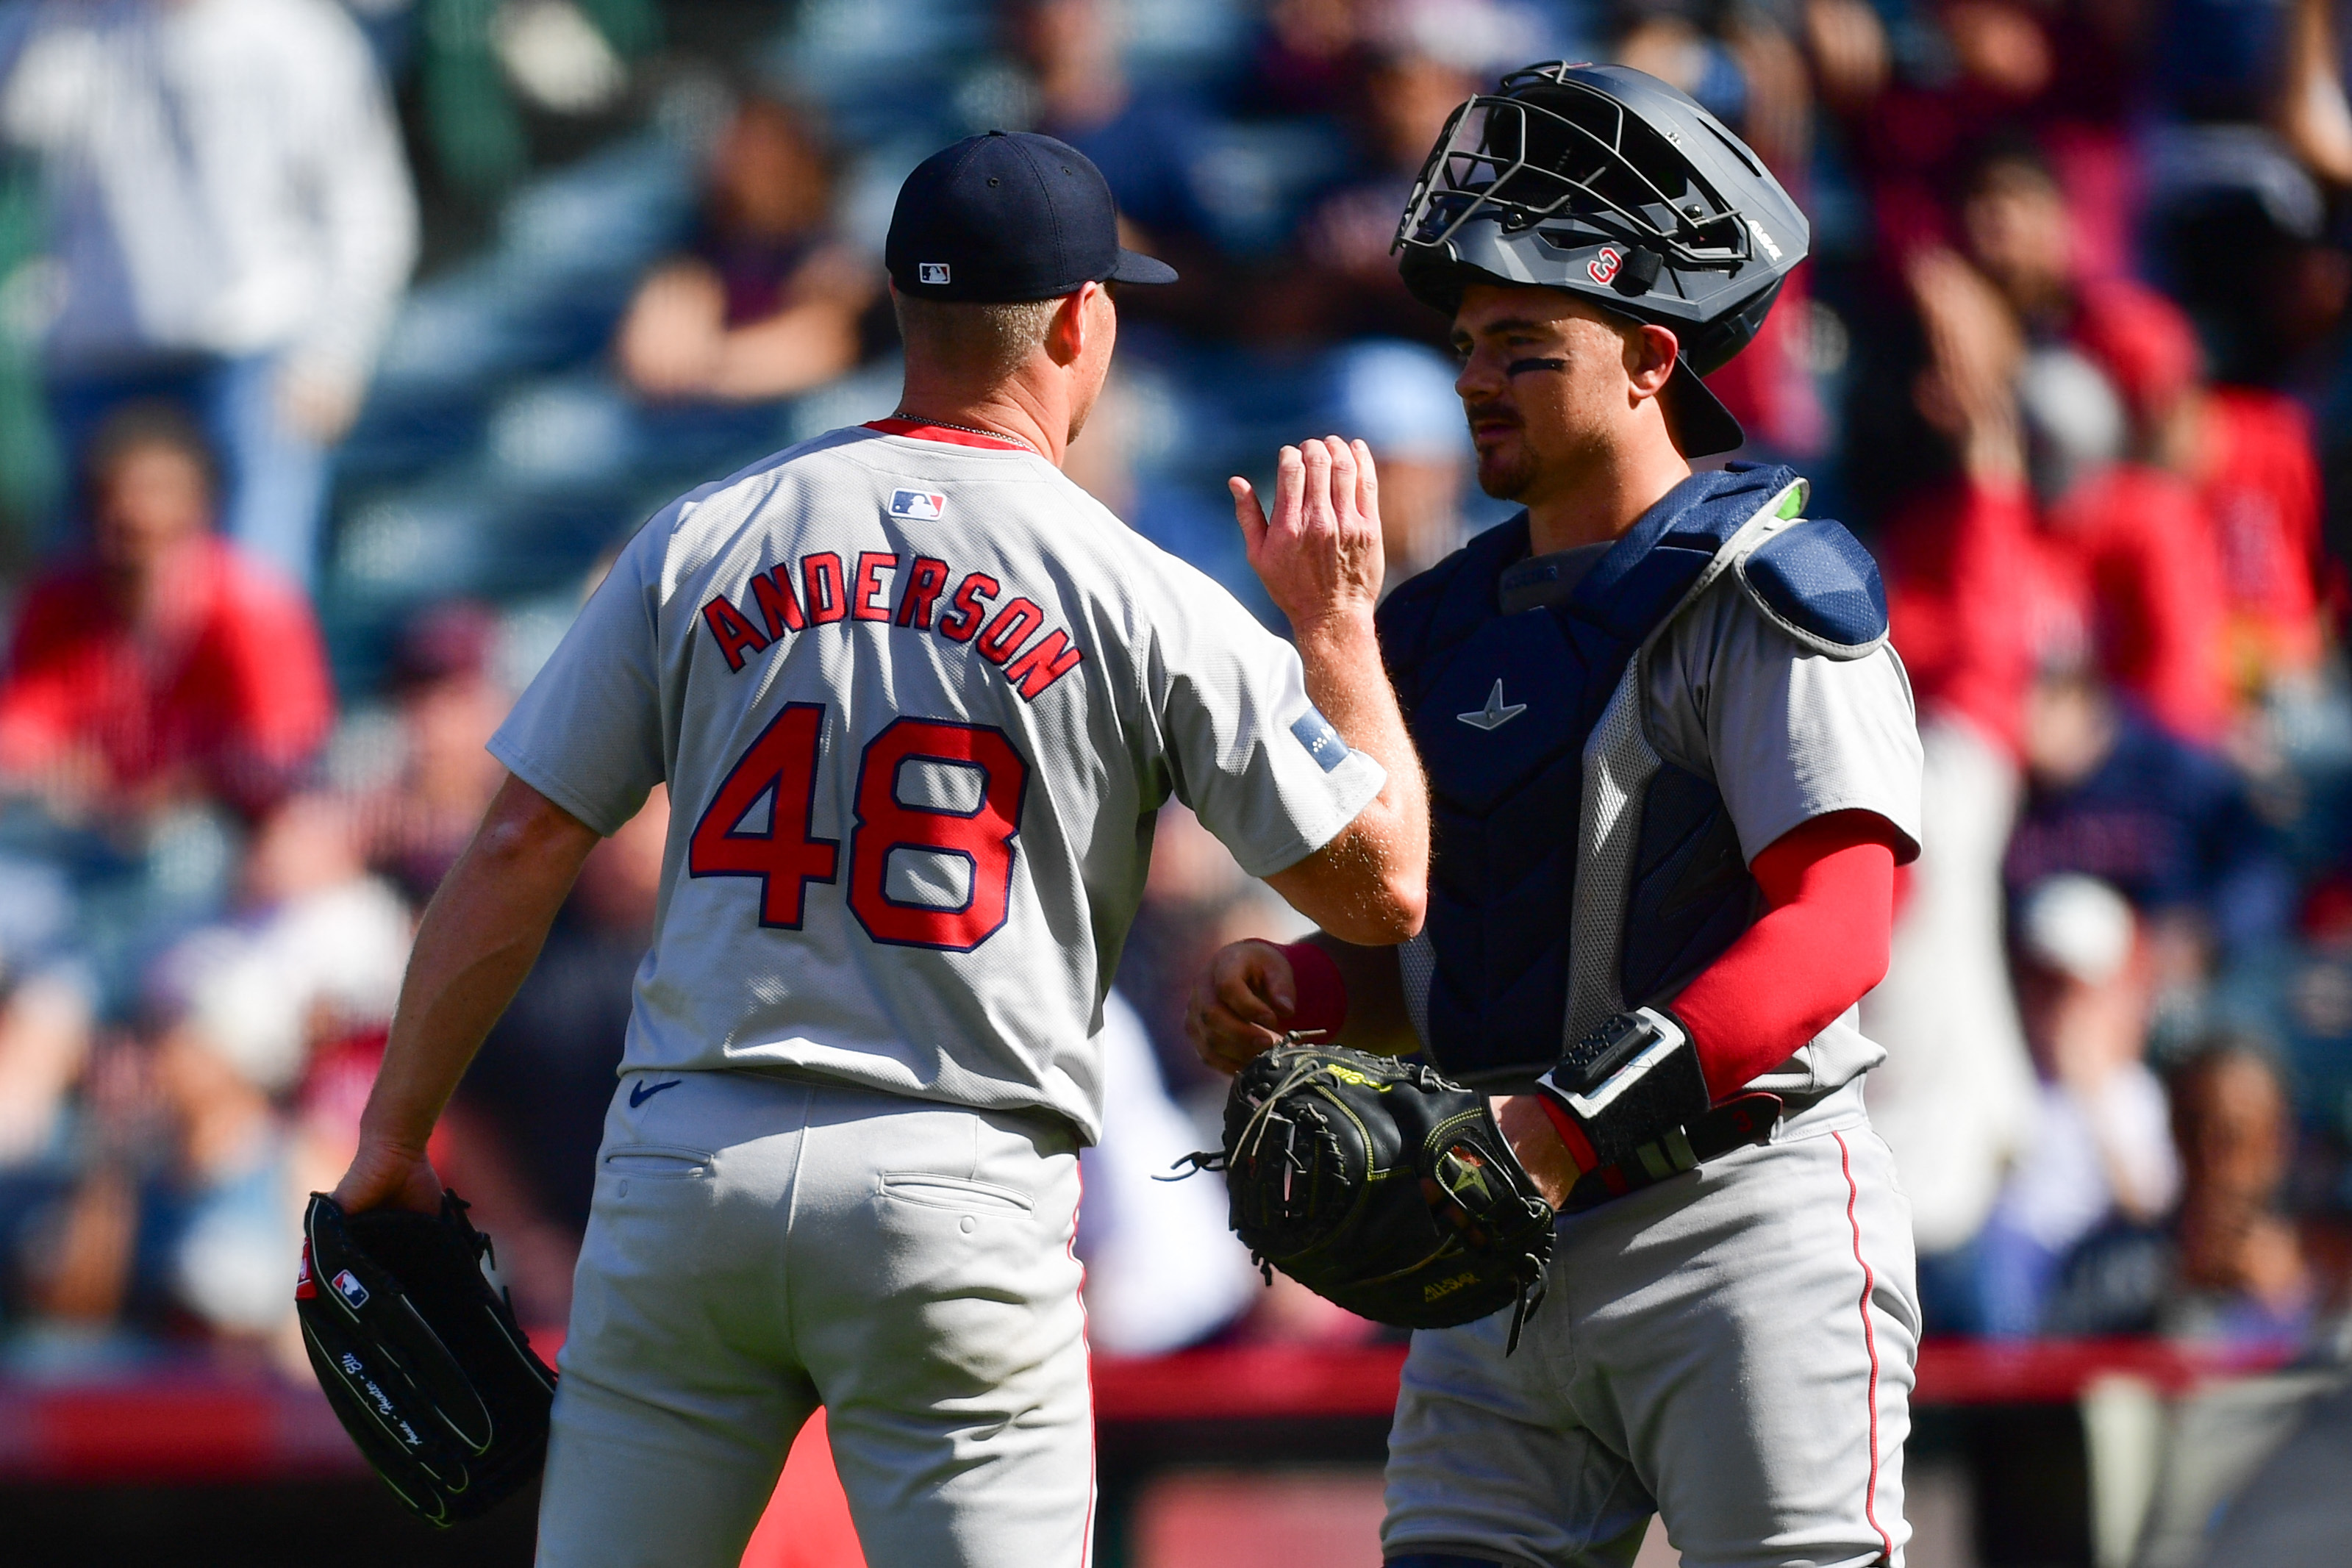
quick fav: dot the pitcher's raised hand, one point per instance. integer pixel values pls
(1317, 548)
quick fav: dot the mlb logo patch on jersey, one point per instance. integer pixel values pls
(923, 505)
(347, 1285)
(1322, 742)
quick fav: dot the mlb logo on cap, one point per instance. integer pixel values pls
(1005, 217)
(925, 505)
(347, 1285)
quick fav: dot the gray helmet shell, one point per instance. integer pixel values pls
(1607, 183)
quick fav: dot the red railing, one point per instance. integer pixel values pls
(205, 1425)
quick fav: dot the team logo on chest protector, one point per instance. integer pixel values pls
(1496, 714)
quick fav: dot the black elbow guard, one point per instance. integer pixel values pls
(1632, 1079)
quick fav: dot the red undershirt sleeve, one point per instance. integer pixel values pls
(1829, 916)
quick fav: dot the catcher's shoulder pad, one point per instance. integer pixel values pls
(1816, 582)
(421, 1361)
(1382, 1187)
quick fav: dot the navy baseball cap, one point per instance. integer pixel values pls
(1008, 216)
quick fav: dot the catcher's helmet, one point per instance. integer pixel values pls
(1605, 181)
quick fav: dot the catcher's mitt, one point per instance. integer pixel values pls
(1381, 1187)
(420, 1358)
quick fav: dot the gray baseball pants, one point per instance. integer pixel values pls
(762, 1245)
(1730, 1349)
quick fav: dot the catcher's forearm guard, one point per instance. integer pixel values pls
(1624, 1084)
(421, 1360)
(1630, 1100)
(1382, 1187)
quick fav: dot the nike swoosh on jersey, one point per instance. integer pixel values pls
(1497, 713)
(641, 1093)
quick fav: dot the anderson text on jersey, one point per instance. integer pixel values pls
(821, 588)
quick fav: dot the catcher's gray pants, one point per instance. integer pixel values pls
(1732, 1350)
(760, 1245)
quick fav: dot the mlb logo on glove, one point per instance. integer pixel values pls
(347, 1285)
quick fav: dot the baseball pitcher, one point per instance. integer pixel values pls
(917, 699)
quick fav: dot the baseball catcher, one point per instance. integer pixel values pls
(1673, 767)
(421, 1359)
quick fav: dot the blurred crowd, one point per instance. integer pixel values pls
(342, 341)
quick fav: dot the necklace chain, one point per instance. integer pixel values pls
(969, 430)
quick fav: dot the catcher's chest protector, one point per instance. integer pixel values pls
(1575, 872)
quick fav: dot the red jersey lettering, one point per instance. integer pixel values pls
(773, 591)
(735, 634)
(870, 603)
(1009, 630)
(821, 586)
(957, 624)
(1049, 658)
(923, 585)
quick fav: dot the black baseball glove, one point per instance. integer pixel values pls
(421, 1359)
(1381, 1187)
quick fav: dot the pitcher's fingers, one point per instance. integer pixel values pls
(1317, 515)
(1343, 471)
(1347, 502)
(1247, 513)
(1289, 488)
(1368, 482)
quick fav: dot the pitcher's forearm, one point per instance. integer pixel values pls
(479, 939)
(1348, 682)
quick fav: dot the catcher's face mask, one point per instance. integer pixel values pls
(1608, 183)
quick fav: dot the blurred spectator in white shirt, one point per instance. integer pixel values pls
(1163, 1270)
(231, 224)
(2102, 1147)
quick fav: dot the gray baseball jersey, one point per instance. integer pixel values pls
(1787, 735)
(917, 700)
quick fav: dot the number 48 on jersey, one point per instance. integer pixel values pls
(786, 855)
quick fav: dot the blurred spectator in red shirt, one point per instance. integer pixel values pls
(1955, 1097)
(1958, 551)
(2128, 544)
(2249, 454)
(167, 666)
(2131, 546)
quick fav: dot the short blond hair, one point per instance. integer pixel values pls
(987, 342)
